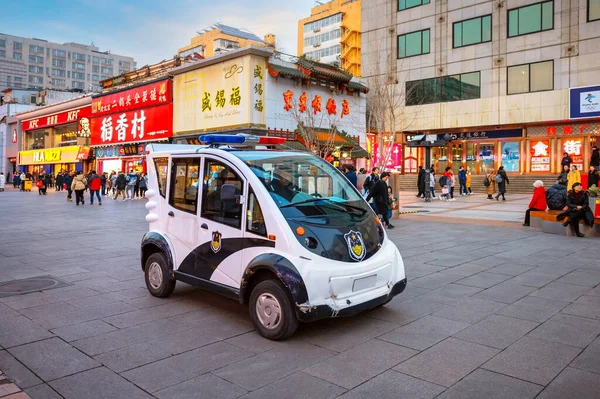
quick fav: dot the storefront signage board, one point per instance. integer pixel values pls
(584, 102)
(59, 118)
(477, 135)
(150, 95)
(50, 156)
(116, 151)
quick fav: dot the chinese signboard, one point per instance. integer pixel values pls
(116, 151)
(14, 136)
(153, 94)
(540, 156)
(480, 135)
(574, 147)
(584, 102)
(148, 124)
(316, 104)
(230, 94)
(70, 154)
(60, 118)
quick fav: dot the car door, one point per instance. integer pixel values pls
(182, 209)
(219, 257)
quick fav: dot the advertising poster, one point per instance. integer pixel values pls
(510, 156)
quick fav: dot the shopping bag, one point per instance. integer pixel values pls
(39, 184)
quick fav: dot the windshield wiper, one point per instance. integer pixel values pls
(307, 201)
(311, 200)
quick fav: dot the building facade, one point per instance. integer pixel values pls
(9, 135)
(37, 63)
(332, 35)
(494, 75)
(219, 38)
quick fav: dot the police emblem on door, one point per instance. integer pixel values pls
(215, 243)
(356, 245)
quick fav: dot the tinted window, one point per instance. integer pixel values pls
(465, 86)
(404, 4)
(530, 77)
(415, 43)
(162, 165)
(530, 19)
(221, 185)
(593, 10)
(184, 184)
(473, 31)
(255, 221)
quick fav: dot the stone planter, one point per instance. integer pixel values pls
(593, 204)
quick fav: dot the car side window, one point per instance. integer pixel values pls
(255, 221)
(222, 187)
(162, 165)
(184, 184)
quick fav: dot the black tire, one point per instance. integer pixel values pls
(287, 324)
(165, 286)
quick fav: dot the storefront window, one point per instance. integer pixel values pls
(471, 157)
(574, 147)
(510, 156)
(456, 158)
(37, 140)
(486, 158)
(442, 157)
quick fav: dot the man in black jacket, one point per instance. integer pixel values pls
(379, 192)
(421, 182)
(556, 197)
(595, 160)
(567, 160)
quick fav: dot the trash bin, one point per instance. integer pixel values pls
(27, 185)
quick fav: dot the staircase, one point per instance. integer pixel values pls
(519, 184)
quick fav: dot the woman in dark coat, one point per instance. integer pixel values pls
(593, 177)
(421, 183)
(502, 184)
(579, 208)
(563, 178)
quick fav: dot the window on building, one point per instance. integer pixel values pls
(78, 85)
(8, 80)
(106, 70)
(530, 19)
(59, 63)
(78, 57)
(2, 53)
(316, 26)
(104, 77)
(36, 79)
(35, 49)
(18, 82)
(183, 194)
(78, 66)
(95, 78)
(2, 42)
(414, 43)
(36, 69)
(124, 64)
(593, 10)
(17, 46)
(95, 69)
(406, 4)
(59, 82)
(107, 61)
(78, 75)
(472, 31)
(17, 56)
(96, 60)
(529, 78)
(323, 37)
(59, 53)
(466, 86)
(219, 178)
(36, 59)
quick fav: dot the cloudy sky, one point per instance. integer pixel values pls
(149, 30)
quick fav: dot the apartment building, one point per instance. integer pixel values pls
(332, 34)
(501, 77)
(39, 64)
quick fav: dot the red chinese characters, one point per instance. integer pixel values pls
(60, 118)
(345, 108)
(551, 131)
(152, 94)
(567, 130)
(316, 104)
(287, 97)
(302, 107)
(331, 107)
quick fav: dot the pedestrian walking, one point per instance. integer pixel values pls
(350, 174)
(469, 182)
(22, 178)
(566, 160)
(489, 182)
(462, 181)
(421, 182)
(578, 209)
(432, 182)
(593, 177)
(120, 186)
(595, 158)
(392, 202)
(67, 182)
(79, 185)
(131, 184)
(103, 181)
(379, 194)
(60, 180)
(449, 183)
(47, 182)
(2, 181)
(502, 180)
(41, 184)
(95, 184)
(370, 182)
(538, 201)
(143, 185)
(113, 181)
(360, 179)
(574, 176)
(16, 180)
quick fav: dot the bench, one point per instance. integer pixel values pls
(546, 220)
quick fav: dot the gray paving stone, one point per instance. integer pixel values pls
(83, 330)
(588, 278)
(486, 384)
(483, 280)
(402, 313)
(99, 383)
(534, 278)
(568, 330)
(470, 310)
(505, 292)
(43, 298)
(561, 291)
(141, 316)
(20, 374)
(588, 359)
(359, 364)
(436, 280)
(594, 292)
(7, 312)
(467, 269)
(534, 308)
(423, 333)
(207, 385)
(42, 391)
(447, 362)
(267, 367)
(50, 309)
(573, 383)
(298, 385)
(252, 342)
(393, 385)
(450, 293)
(20, 330)
(511, 269)
(422, 270)
(52, 358)
(101, 310)
(176, 369)
(131, 357)
(497, 331)
(533, 359)
(585, 306)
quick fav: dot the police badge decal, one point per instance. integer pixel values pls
(356, 245)
(215, 243)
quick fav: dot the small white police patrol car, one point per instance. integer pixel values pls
(282, 231)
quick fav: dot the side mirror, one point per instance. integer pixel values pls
(228, 192)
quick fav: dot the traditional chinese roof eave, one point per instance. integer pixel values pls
(325, 70)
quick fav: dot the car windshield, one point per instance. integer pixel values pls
(304, 184)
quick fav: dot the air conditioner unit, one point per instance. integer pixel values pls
(317, 45)
(317, 30)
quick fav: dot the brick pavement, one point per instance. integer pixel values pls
(490, 311)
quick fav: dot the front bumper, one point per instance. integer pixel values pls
(325, 311)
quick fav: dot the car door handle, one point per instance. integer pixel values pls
(171, 214)
(204, 226)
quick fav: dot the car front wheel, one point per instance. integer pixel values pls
(158, 279)
(271, 311)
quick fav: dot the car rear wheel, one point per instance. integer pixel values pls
(158, 279)
(271, 310)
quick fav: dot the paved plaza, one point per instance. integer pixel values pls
(492, 310)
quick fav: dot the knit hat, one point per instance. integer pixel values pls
(538, 183)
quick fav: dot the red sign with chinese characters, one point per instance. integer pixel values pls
(57, 119)
(14, 136)
(148, 124)
(153, 94)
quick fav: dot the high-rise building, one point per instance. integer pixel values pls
(512, 83)
(39, 64)
(332, 35)
(219, 39)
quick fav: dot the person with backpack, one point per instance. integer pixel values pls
(370, 182)
(132, 182)
(556, 197)
(462, 181)
(501, 179)
(379, 193)
(78, 185)
(490, 184)
(120, 186)
(143, 185)
(538, 201)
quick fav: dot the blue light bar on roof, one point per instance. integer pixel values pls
(222, 139)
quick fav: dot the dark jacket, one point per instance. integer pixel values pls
(573, 203)
(556, 197)
(422, 182)
(370, 182)
(595, 160)
(121, 182)
(593, 179)
(566, 161)
(351, 176)
(68, 180)
(462, 176)
(60, 179)
(502, 186)
(379, 194)
(419, 177)
(563, 178)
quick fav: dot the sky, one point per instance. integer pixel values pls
(149, 30)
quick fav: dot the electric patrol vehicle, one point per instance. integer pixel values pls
(282, 231)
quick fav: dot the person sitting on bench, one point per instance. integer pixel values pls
(579, 208)
(538, 202)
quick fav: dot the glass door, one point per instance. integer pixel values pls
(441, 156)
(457, 157)
(472, 157)
(486, 158)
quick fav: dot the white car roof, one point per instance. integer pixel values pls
(167, 149)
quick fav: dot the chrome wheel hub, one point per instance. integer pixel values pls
(268, 311)
(155, 276)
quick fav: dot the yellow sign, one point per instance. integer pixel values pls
(230, 94)
(49, 156)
